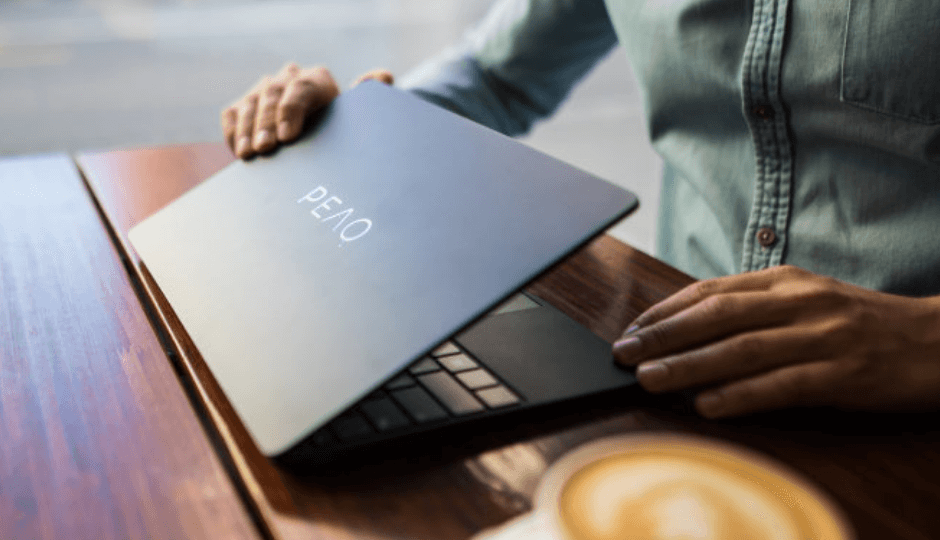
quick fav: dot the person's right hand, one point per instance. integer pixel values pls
(274, 111)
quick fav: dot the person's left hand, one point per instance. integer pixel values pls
(787, 337)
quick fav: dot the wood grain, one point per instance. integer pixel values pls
(97, 438)
(881, 469)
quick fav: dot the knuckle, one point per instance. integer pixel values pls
(264, 120)
(246, 119)
(703, 289)
(303, 85)
(818, 292)
(249, 102)
(654, 338)
(717, 307)
(273, 90)
(679, 368)
(789, 271)
(321, 76)
(841, 331)
(749, 347)
(834, 299)
(689, 369)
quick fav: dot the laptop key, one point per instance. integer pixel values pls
(419, 404)
(377, 394)
(425, 365)
(322, 437)
(457, 362)
(351, 426)
(445, 349)
(455, 397)
(384, 414)
(476, 379)
(498, 396)
(402, 381)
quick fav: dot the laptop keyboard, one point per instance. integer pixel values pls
(449, 383)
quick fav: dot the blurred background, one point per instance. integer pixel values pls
(101, 74)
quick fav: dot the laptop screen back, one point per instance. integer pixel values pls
(307, 278)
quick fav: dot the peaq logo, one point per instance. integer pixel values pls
(328, 211)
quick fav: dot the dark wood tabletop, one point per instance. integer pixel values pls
(208, 479)
(97, 436)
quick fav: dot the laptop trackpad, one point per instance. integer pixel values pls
(544, 354)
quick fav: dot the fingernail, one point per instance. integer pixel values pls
(263, 139)
(243, 148)
(633, 328)
(627, 350)
(652, 374)
(709, 403)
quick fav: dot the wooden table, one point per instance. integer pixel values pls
(112, 427)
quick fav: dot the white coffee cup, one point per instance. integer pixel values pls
(676, 487)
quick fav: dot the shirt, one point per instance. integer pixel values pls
(804, 132)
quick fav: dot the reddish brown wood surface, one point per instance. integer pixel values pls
(97, 438)
(882, 470)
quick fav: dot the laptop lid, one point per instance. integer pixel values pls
(307, 278)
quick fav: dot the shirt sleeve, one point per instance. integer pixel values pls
(519, 64)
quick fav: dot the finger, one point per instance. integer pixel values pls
(264, 138)
(271, 92)
(711, 319)
(699, 291)
(229, 121)
(381, 75)
(244, 126)
(802, 385)
(733, 358)
(311, 90)
(290, 70)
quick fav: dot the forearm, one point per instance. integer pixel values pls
(459, 84)
(519, 64)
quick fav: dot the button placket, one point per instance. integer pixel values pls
(764, 237)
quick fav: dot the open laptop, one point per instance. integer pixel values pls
(329, 287)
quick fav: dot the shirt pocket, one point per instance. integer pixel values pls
(891, 60)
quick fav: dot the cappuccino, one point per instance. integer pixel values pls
(649, 487)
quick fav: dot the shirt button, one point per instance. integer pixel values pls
(766, 237)
(763, 112)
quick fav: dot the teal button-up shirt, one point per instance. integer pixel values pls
(804, 132)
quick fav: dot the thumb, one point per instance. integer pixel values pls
(381, 75)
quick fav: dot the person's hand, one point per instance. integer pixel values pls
(787, 337)
(273, 112)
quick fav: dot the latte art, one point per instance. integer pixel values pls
(659, 498)
(670, 487)
(683, 488)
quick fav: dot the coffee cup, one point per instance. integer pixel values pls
(655, 487)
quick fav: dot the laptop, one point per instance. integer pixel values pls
(361, 285)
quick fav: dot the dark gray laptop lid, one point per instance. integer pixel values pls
(307, 278)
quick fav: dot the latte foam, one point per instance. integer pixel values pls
(684, 488)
